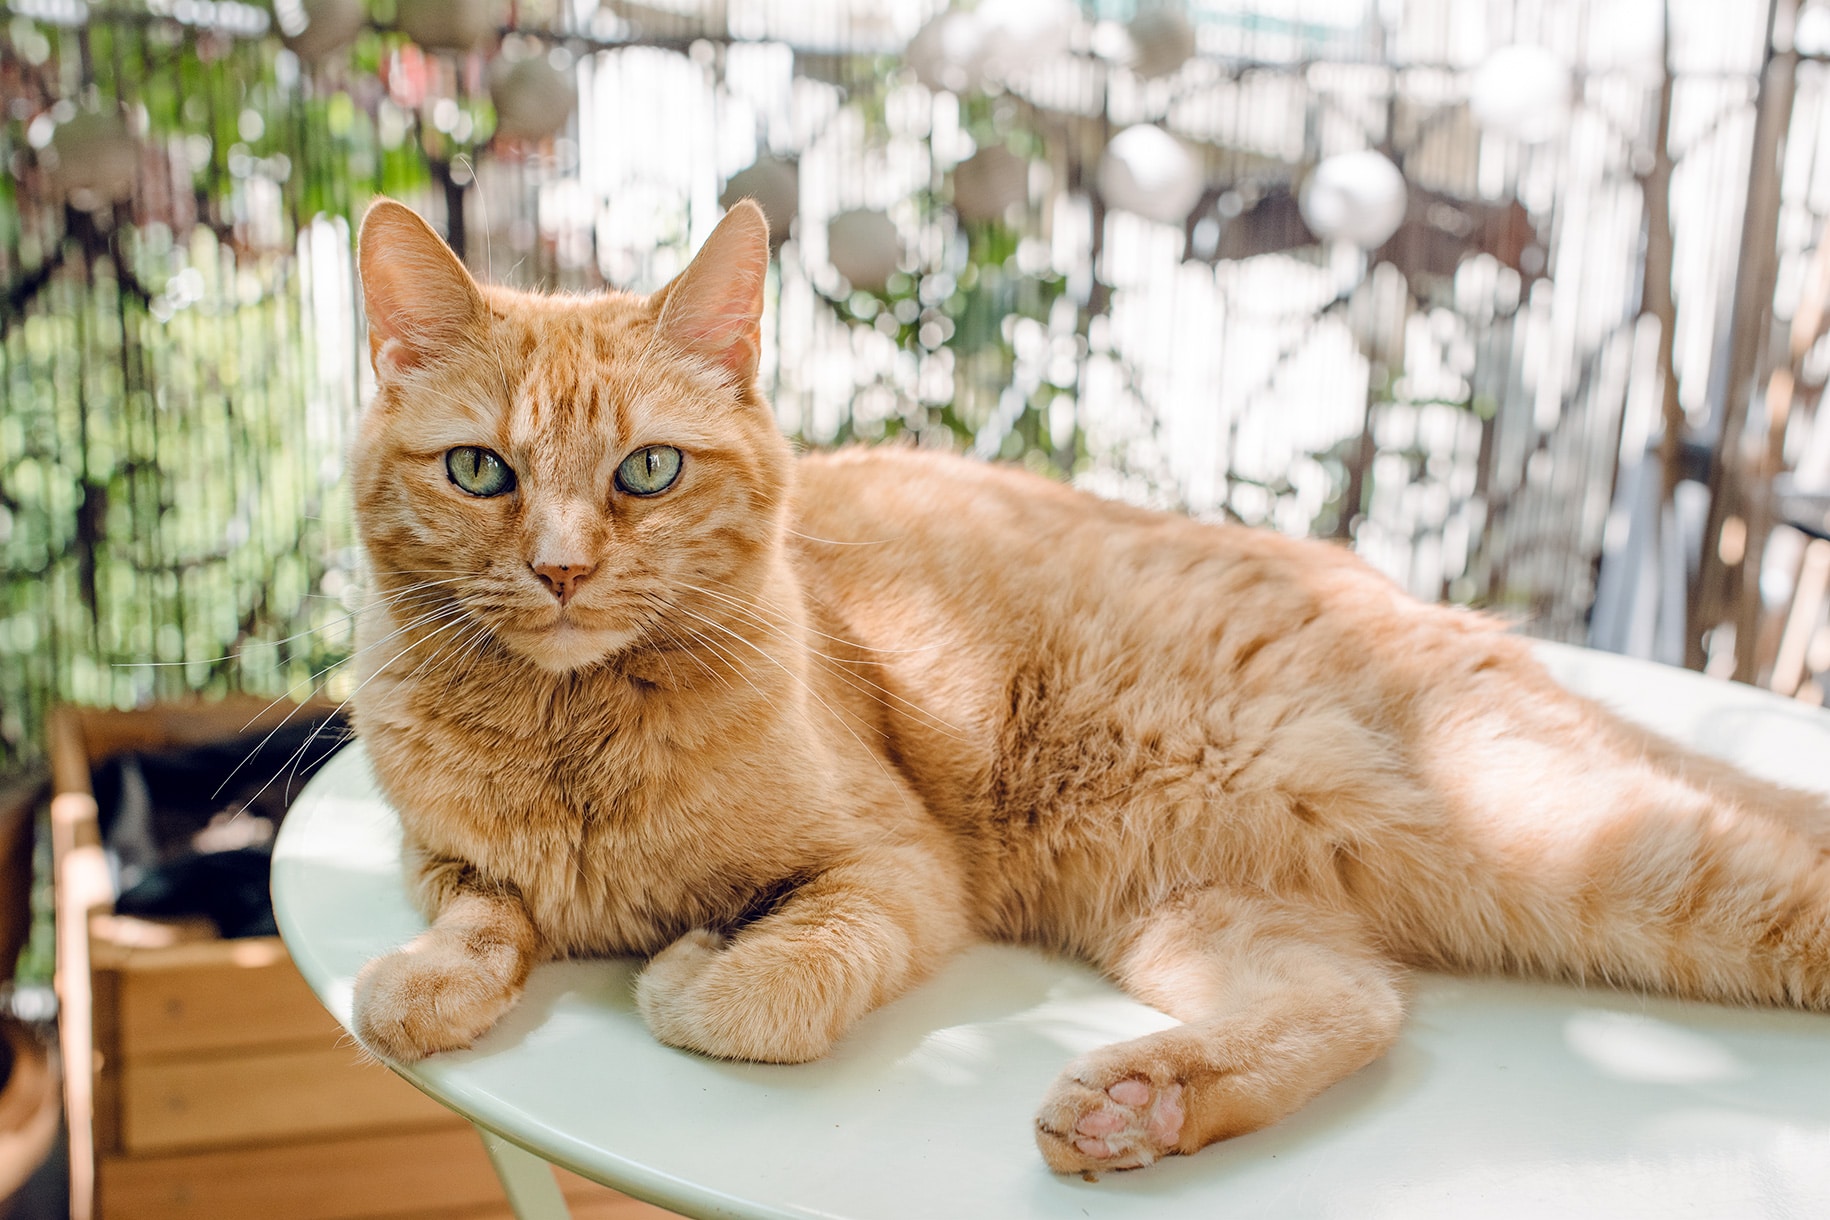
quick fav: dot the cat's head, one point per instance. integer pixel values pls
(567, 469)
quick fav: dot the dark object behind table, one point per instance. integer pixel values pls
(189, 830)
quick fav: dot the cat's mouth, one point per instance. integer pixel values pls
(568, 642)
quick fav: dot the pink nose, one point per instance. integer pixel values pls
(562, 579)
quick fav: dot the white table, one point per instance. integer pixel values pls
(1501, 1099)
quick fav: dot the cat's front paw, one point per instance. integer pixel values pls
(665, 992)
(1090, 1123)
(670, 993)
(701, 995)
(428, 997)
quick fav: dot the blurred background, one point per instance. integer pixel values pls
(1523, 299)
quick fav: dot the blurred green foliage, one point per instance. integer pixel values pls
(179, 368)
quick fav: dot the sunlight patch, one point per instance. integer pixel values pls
(1629, 1046)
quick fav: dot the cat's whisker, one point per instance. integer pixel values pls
(439, 607)
(731, 663)
(444, 571)
(442, 610)
(249, 757)
(762, 607)
(480, 641)
(298, 758)
(430, 661)
(842, 542)
(379, 670)
(293, 711)
(309, 684)
(731, 660)
(417, 593)
(656, 625)
(856, 681)
(811, 693)
(690, 653)
(766, 655)
(467, 646)
(251, 644)
(867, 687)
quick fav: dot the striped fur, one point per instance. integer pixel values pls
(808, 727)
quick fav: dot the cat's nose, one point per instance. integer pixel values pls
(562, 579)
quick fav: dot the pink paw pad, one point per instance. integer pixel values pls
(1133, 1126)
(1130, 1093)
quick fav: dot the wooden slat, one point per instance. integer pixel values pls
(81, 886)
(19, 799)
(215, 996)
(586, 1200)
(441, 1170)
(243, 1099)
(187, 722)
(105, 1112)
(69, 751)
(611, 1206)
(430, 1175)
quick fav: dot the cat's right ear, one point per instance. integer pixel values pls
(713, 309)
(421, 302)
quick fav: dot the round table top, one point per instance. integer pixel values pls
(1502, 1098)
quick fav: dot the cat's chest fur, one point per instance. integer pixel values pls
(612, 824)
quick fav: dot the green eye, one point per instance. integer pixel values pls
(648, 471)
(479, 471)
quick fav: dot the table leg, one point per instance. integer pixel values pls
(526, 1179)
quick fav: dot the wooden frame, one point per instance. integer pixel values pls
(202, 1076)
(88, 929)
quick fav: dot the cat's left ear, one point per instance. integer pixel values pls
(713, 309)
(421, 302)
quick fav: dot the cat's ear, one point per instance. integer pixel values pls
(713, 309)
(421, 302)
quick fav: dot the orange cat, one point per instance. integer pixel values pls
(638, 681)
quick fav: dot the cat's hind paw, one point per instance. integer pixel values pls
(1084, 1127)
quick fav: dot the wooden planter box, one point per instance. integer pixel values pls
(203, 1078)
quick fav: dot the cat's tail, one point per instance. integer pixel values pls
(1576, 844)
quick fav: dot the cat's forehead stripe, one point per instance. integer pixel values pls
(565, 352)
(590, 379)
